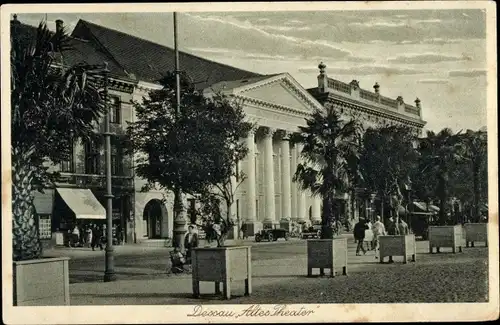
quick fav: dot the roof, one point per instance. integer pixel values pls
(80, 51)
(149, 61)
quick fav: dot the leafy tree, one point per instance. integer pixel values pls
(189, 152)
(331, 147)
(388, 159)
(439, 154)
(52, 105)
(473, 169)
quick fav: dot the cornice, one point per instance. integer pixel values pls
(374, 110)
(273, 106)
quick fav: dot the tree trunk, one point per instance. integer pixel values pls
(327, 218)
(26, 242)
(442, 193)
(477, 191)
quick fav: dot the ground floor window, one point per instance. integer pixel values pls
(45, 226)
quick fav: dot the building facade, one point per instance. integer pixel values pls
(277, 104)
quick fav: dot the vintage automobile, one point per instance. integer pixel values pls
(312, 232)
(272, 234)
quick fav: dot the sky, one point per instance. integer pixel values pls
(438, 56)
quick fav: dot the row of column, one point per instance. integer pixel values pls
(293, 199)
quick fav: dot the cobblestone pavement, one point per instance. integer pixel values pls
(279, 271)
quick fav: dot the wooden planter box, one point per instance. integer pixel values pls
(222, 264)
(446, 236)
(476, 232)
(398, 246)
(41, 282)
(327, 254)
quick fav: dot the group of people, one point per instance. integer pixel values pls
(179, 259)
(395, 226)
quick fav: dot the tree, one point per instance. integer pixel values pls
(439, 154)
(388, 159)
(52, 105)
(330, 145)
(473, 151)
(190, 152)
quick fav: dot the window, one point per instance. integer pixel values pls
(92, 157)
(116, 157)
(45, 226)
(115, 110)
(67, 165)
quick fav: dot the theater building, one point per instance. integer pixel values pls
(276, 103)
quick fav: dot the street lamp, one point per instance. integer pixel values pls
(179, 221)
(109, 273)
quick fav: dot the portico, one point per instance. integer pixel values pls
(276, 105)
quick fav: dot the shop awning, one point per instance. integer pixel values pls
(83, 203)
(422, 206)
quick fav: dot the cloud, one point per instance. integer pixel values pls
(467, 73)
(365, 70)
(361, 59)
(207, 32)
(284, 28)
(240, 54)
(433, 81)
(426, 58)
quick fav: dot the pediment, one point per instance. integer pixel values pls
(279, 90)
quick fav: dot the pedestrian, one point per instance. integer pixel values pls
(190, 242)
(96, 237)
(359, 235)
(378, 229)
(88, 238)
(244, 231)
(76, 236)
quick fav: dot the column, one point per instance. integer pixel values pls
(250, 185)
(293, 168)
(316, 210)
(301, 194)
(270, 208)
(286, 199)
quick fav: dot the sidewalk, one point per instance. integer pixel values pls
(277, 278)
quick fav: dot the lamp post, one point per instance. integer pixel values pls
(109, 273)
(179, 221)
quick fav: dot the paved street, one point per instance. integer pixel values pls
(279, 270)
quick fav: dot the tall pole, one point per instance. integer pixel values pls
(179, 221)
(109, 273)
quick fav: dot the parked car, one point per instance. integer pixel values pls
(312, 232)
(272, 234)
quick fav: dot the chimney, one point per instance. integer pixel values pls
(376, 86)
(322, 78)
(59, 25)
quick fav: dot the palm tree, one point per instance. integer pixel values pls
(331, 147)
(52, 105)
(474, 151)
(439, 153)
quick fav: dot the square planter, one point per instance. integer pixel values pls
(41, 282)
(476, 232)
(398, 246)
(446, 236)
(222, 264)
(327, 254)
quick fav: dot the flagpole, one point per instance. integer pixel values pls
(179, 220)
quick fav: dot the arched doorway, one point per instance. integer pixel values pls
(156, 216)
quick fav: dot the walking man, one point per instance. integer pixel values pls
(378, 229)
(359, 235)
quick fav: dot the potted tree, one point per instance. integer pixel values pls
(52, 105)
(330, 149)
